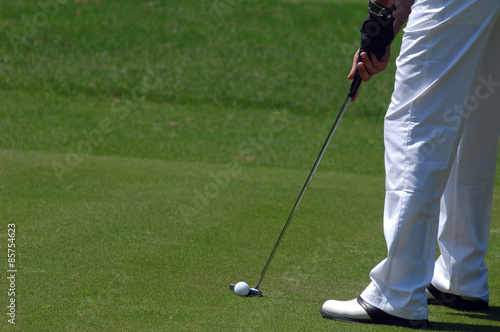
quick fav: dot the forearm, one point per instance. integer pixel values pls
(403, 9)
(385, 3)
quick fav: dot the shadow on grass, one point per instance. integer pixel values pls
(492, 315)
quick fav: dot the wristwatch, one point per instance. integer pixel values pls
(377, 10)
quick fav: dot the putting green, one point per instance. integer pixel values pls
(151, 151)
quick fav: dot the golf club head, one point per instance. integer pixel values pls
(252, 292)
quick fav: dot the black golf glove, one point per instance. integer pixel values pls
(377, 32)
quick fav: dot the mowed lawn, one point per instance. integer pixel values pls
(151, 151)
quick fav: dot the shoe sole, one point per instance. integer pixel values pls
(378, 316)
(422, 325)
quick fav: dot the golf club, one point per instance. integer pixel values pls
(255, 291)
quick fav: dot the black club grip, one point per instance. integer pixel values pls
(356, 82)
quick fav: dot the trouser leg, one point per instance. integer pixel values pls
(466, 204)
(422, 133)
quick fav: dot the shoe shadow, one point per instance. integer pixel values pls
(492, 314)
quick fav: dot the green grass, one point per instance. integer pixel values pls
(152, 150)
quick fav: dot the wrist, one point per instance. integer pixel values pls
(377, 32)
(384, 3)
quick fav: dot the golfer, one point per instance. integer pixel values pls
(441, 135)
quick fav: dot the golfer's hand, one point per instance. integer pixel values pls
(370, 65)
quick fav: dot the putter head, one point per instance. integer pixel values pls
(253, 291)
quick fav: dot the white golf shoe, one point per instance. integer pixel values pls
(360, 311)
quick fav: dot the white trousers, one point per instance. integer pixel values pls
(441, 135)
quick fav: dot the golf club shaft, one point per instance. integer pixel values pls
(309, 178)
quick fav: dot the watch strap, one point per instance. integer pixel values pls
(378, 10)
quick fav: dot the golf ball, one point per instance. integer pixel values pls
(241, 288)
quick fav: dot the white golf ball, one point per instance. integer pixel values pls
(241, 288)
